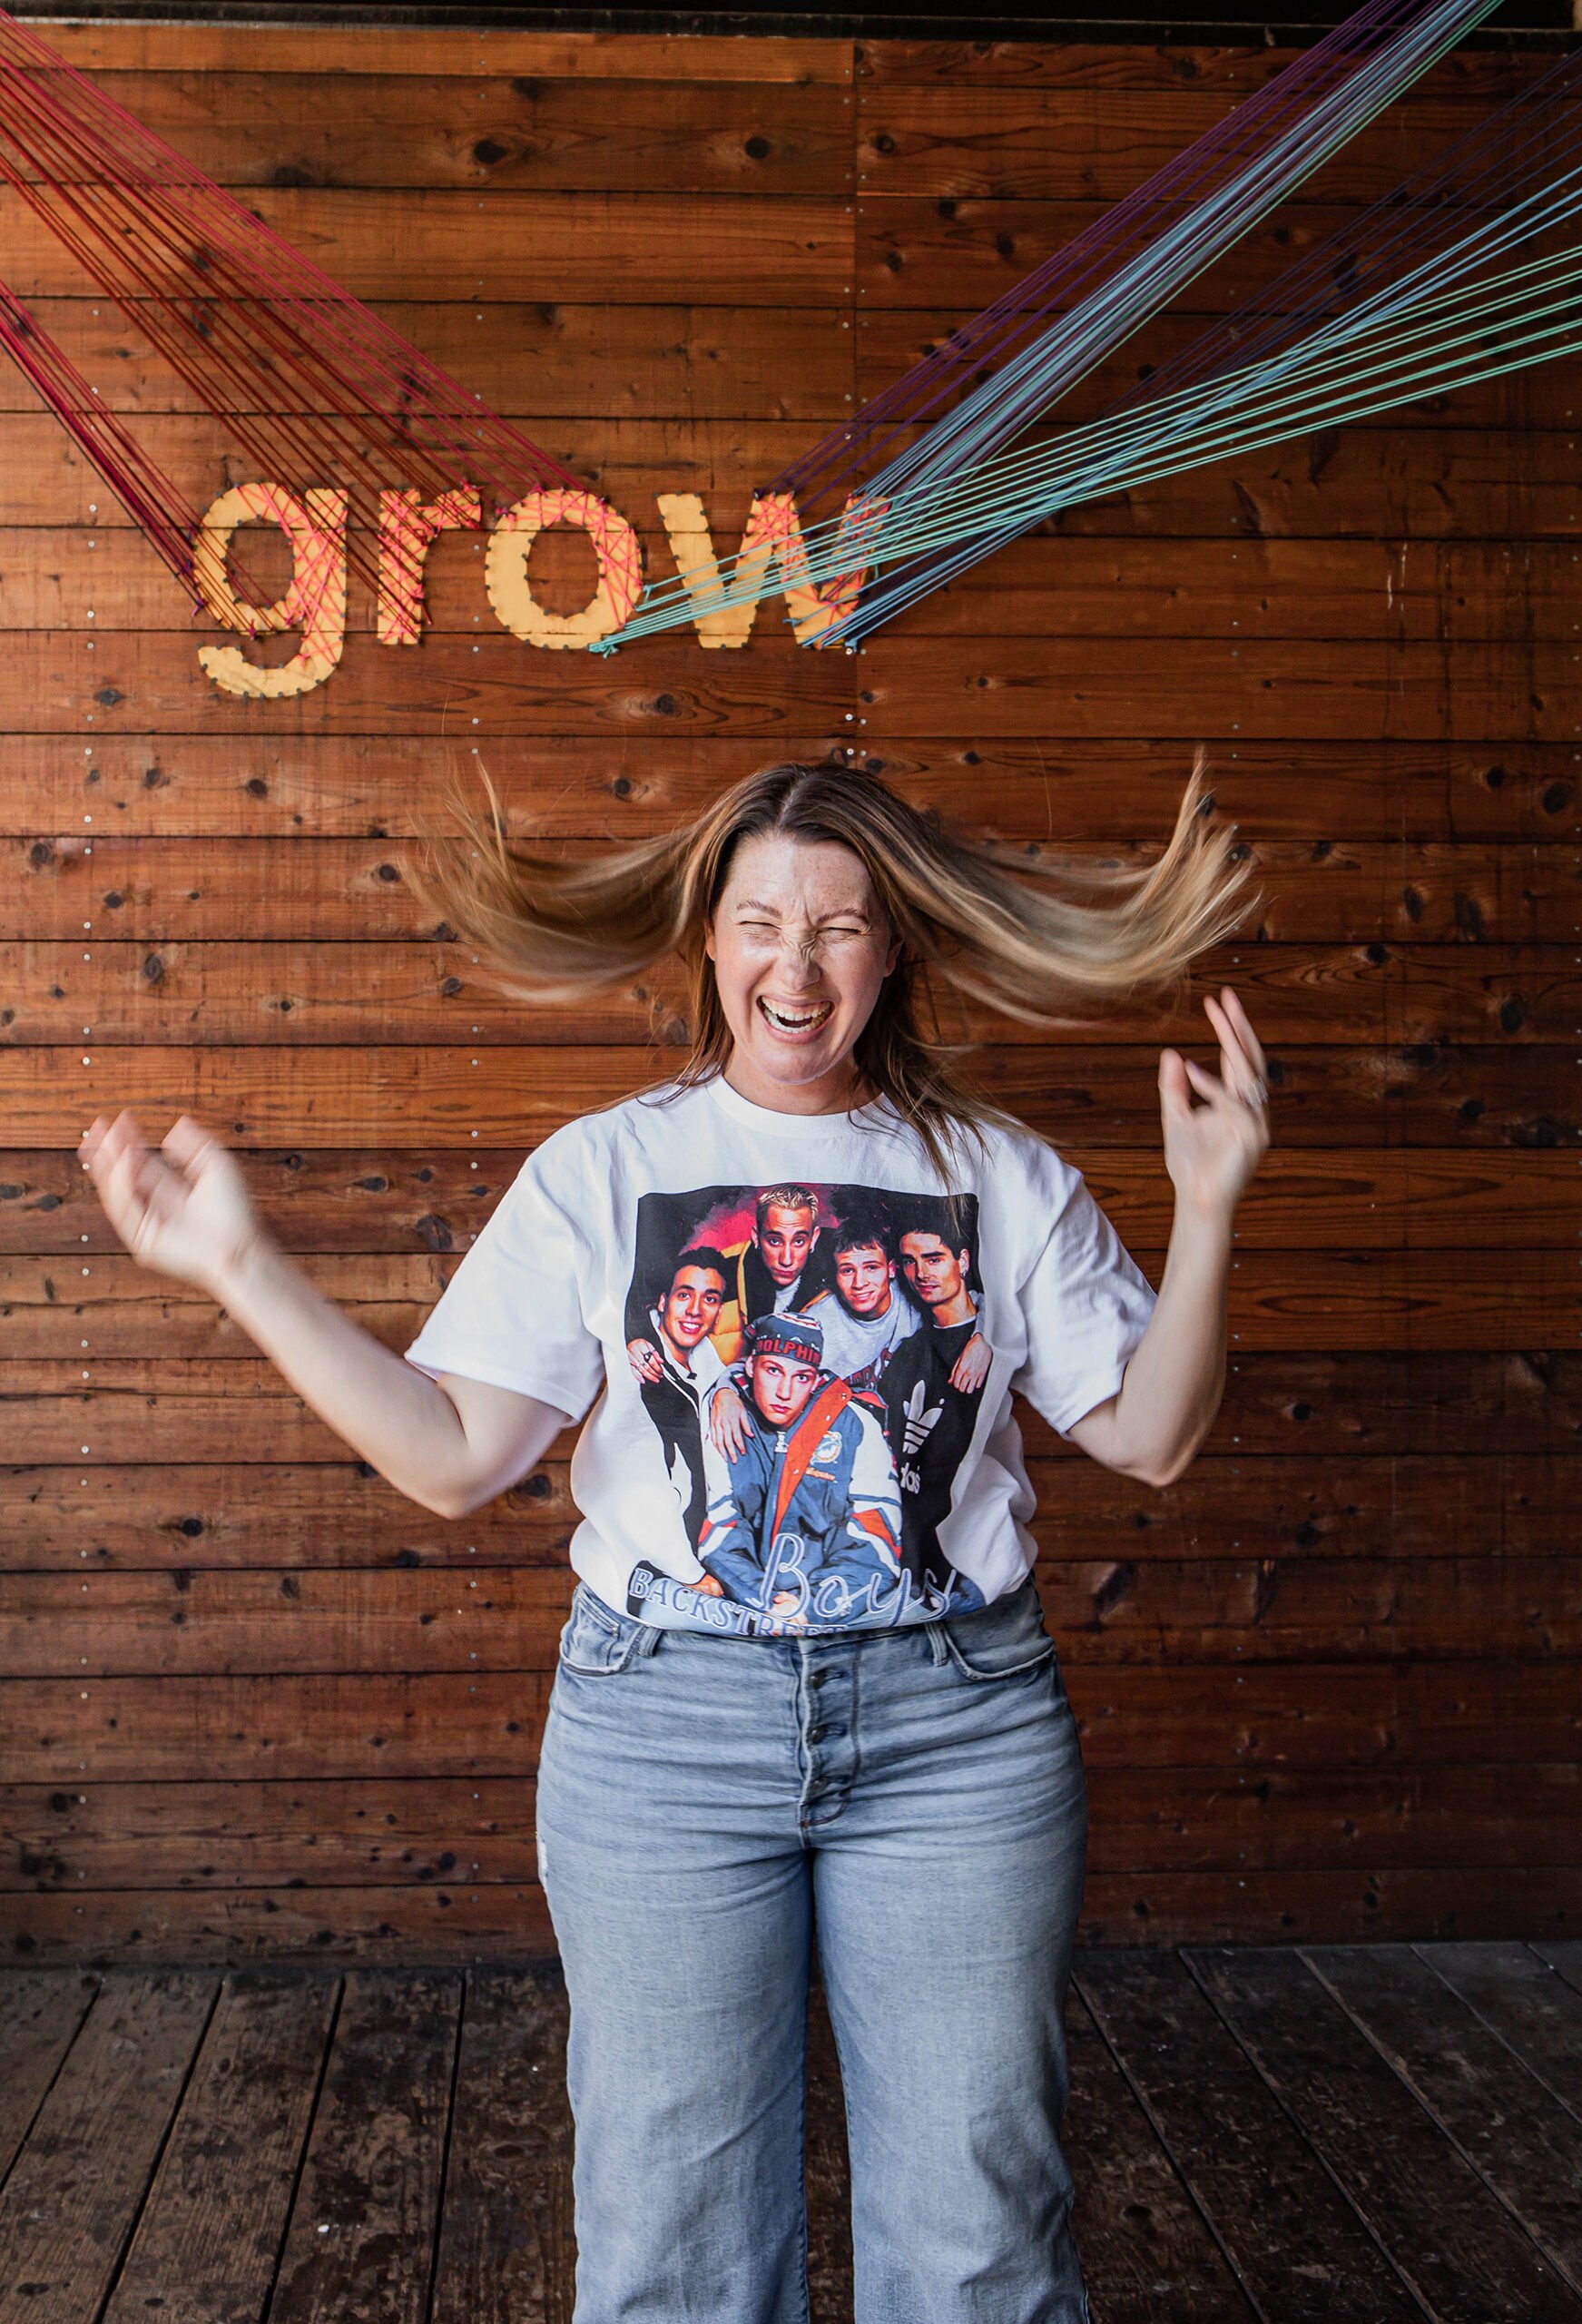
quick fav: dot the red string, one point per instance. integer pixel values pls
(253, 328)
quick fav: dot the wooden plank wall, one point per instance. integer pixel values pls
(252, 1700)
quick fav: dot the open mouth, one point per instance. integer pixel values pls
(796, 1020)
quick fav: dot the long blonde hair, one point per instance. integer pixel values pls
(1050, 940)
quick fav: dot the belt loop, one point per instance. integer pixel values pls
(649, 1636)
(936, 1640)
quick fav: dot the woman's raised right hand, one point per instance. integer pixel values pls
(183, 1210)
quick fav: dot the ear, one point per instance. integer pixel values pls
(894, 955)
(709, 950)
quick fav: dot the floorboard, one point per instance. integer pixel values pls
(1295, 2241)
(1511, 2128)
(1524, 2000)
(507, 2251)
(1448, 2234)
(1564, 1958)
(1146, 2249)
(1360, 2134)
(217, 2209)
(359, 2247)
(40, 2016)
(71, 2197)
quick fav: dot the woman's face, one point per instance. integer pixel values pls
(800, 948)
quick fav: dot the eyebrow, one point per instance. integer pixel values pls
(841, 912)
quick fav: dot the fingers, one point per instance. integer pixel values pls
(107, 1134)
(1207, 1085)
(187, 1142)
(1243, 1060)
(1233, 1056)
(1175, 1094)
(122, 1192)
(143, 1190)
(725, 1428)
(1181, 1071)
(1227, 1016)
(119, 1157)
(1244, 1023)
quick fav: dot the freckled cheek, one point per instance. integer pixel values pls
(735, 990)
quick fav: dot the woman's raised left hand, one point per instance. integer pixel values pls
(1212, 1148)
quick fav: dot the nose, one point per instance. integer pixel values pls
(800, 954)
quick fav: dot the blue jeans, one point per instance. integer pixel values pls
(704, 1803)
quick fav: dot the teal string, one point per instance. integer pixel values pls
(1347, 370)
(1027, 386)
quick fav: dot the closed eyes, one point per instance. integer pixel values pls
(771, 928)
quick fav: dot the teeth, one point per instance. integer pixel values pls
(791, 1022)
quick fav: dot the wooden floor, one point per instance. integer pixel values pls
(1365, 2133)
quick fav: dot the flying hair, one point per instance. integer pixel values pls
(1053, 941)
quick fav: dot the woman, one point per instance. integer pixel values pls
(805, 1680)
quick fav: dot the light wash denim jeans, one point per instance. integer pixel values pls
(706, 1803)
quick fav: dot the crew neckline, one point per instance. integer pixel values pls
(871, 1115)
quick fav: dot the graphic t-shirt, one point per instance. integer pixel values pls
(799, 1345)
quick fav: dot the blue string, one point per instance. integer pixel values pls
(923, 517)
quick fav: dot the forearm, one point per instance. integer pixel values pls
(1176, 1377)
(394, 1417)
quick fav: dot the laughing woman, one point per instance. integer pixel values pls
(805, 1686)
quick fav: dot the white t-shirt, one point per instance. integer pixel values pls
(843, 1508)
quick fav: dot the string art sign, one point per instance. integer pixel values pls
(335, 409)
(1402, 302)
(348, 419)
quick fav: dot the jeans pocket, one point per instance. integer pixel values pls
(598, 1642)
(1006, 1639)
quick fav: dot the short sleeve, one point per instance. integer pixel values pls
(512, 1313)
(1086, 1305)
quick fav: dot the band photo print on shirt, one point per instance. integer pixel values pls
(811, 1359)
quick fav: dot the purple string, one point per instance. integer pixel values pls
(1257, 121)
(1403, 226)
